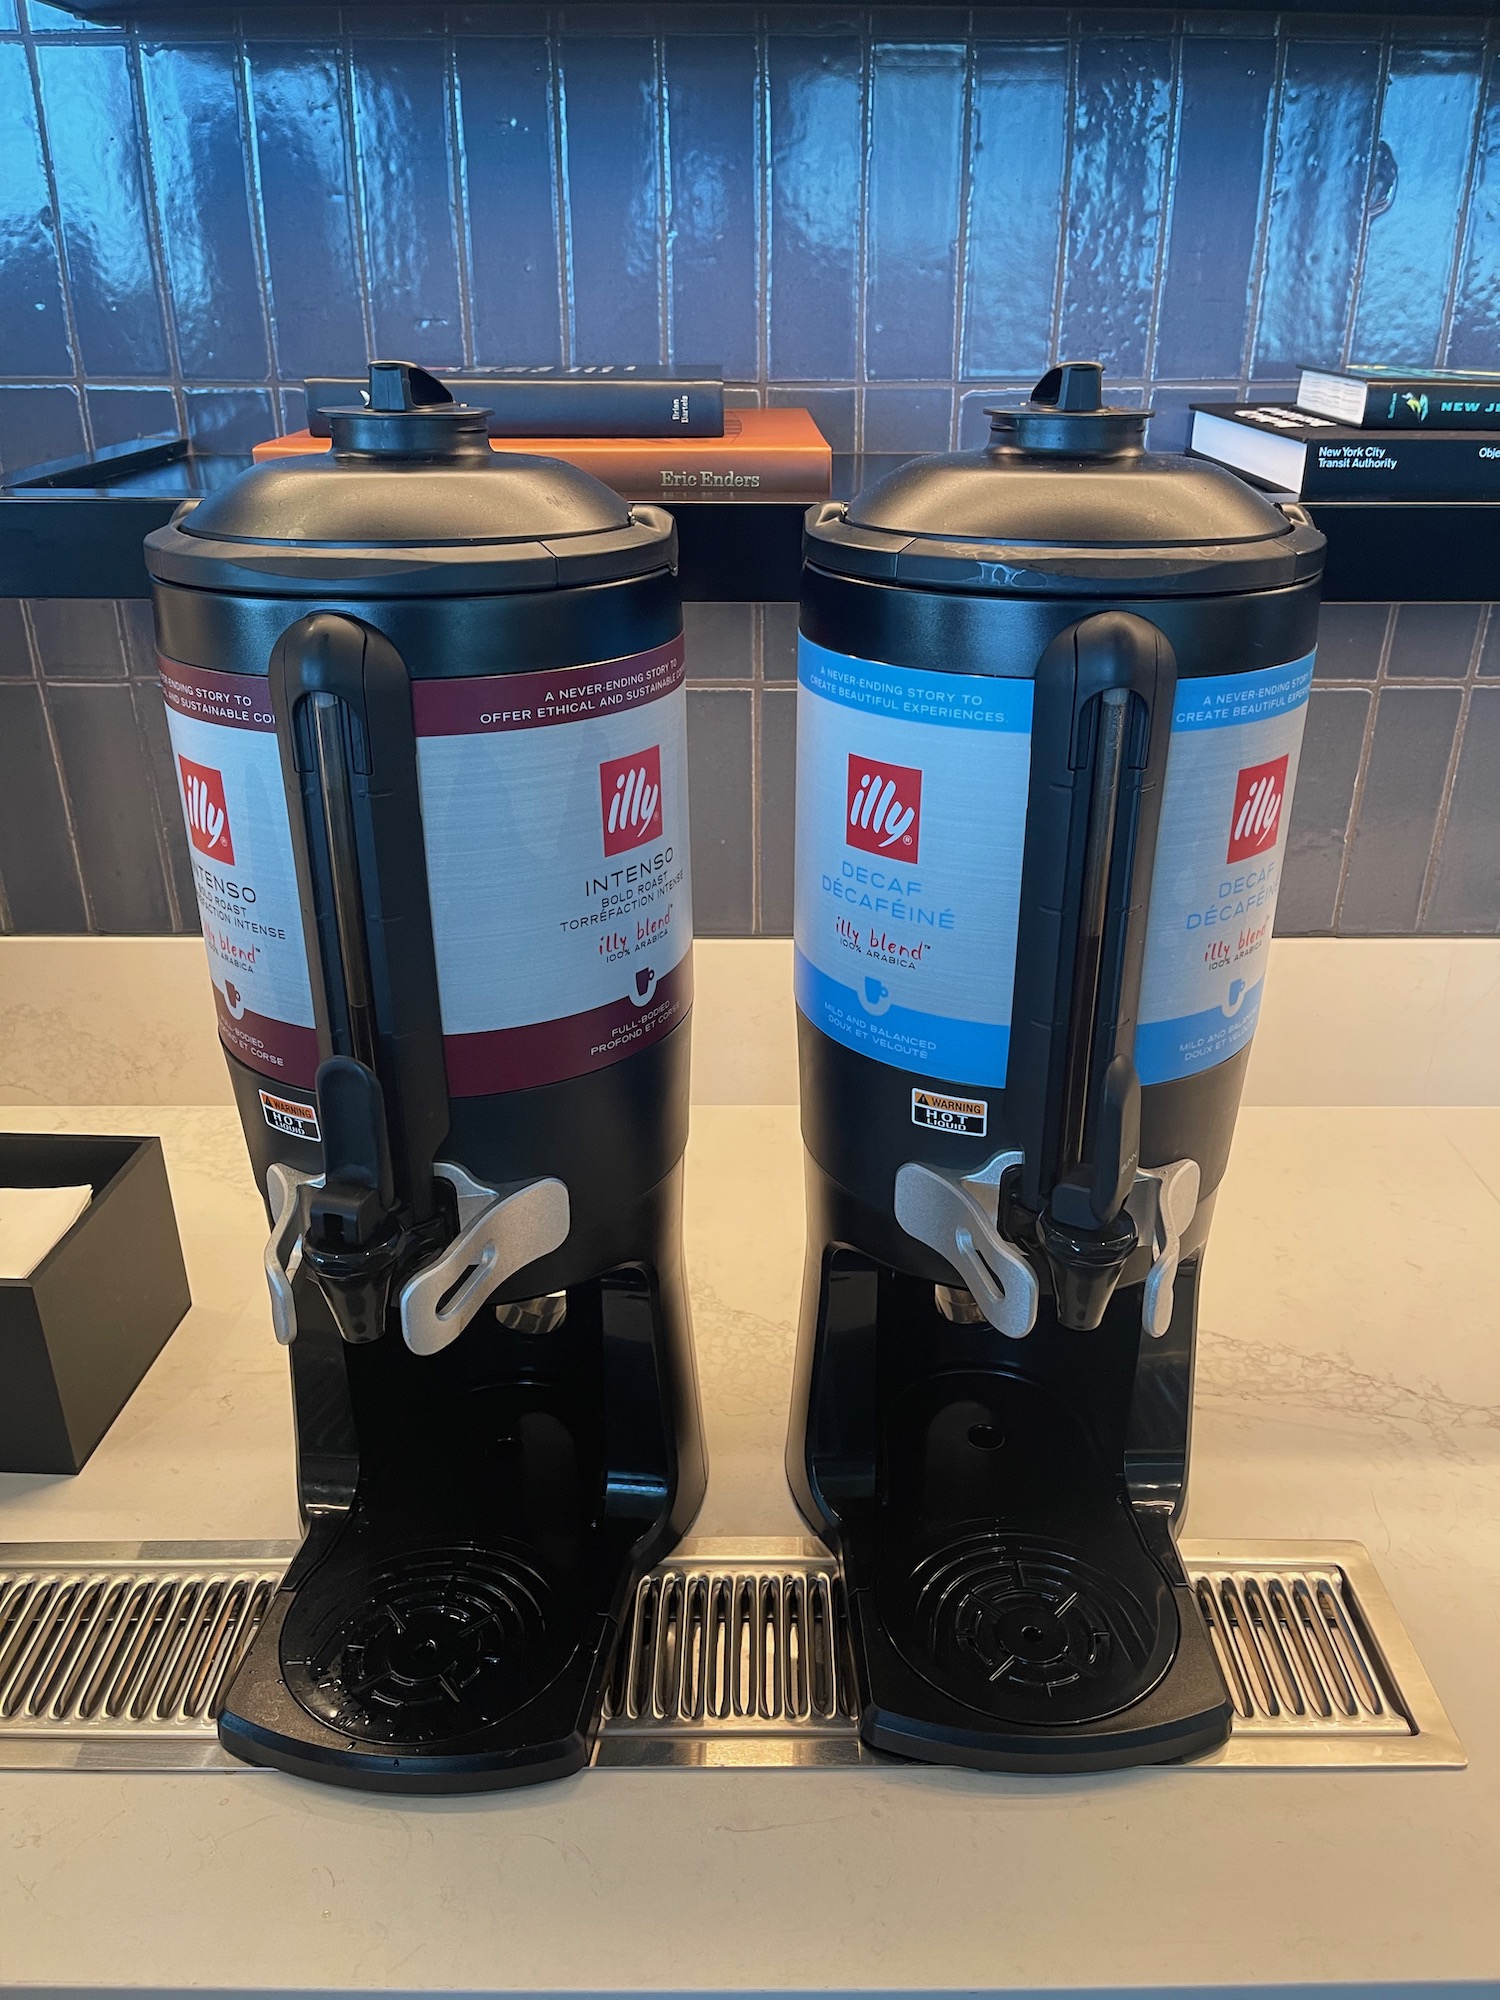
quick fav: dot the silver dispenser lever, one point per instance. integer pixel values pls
(1163, 1202)
(951, 1213)
(958, 1216)
(497, 1236)
(284, 1246)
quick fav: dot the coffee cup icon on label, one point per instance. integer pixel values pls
(876, 995)
(1236, 995)
(234, 1000)
(645, 984)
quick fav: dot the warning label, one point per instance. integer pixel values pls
(969, 1116)
(290, 1115)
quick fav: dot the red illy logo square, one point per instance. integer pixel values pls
(207, 813)
(630, 800)
(883, 809)
(1256, 820)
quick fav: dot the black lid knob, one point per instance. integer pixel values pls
(1076, 385)
(1068, 416)
(409, 414)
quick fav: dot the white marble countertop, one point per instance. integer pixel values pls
(1349, 1387)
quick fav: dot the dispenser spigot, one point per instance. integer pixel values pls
(352, 1238)
(1085, 1229)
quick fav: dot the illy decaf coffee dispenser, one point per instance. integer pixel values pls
(428, 716)
(1051, 697)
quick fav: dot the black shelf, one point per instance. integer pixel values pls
(75, 528)
(129, 12)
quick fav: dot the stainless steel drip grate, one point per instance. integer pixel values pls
(114, 1656)
(737, 1653)
(739, 1660)
(1318, 1665)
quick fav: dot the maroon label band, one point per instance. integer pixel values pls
(273, 1048)
(551, 1051)
(495, 703)
(234, 701)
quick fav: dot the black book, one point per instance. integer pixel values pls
(1403, 399)
(624, 401)
(1295, 451)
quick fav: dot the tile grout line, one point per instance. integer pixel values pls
(79, 376)
(862, 227)
(562, 197)
(1255, 299)
(666, 232)
(354, 159)
(462, 217)
(1065, 196)
(1163, 249)
(140, 691)
(760, 128)
(64, 791)
(260, 242)
(961, 242)
(1485, 83)
(1450, 774)
(1362, 245)
(156, 243)
(1366, 749)
(7, 921)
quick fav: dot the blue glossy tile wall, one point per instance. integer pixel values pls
(893, 217)
(891, 212)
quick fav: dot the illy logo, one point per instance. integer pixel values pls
(630, 799)
(1256, 819)
(207, 814)
(883, 810)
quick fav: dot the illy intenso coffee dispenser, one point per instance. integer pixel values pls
(1051, 699)
(428, 715)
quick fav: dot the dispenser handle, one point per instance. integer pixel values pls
(1105, 689)
(341, 696)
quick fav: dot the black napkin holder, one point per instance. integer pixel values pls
(79, 1332)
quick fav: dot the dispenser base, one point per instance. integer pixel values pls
(1010, 1606)
(1007, 1609)
(451, 1627)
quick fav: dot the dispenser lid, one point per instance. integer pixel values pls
(1065, 498)
(411, 500)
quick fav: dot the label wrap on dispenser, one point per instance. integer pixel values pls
(554, 809)
(555, 813)
(911, 821)
(228, 769)
(1231, 768)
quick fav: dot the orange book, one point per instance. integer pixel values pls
(763, 455)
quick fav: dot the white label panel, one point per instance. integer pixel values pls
(554, 808)
(911, 820)
(1231, 768)
(228, 770)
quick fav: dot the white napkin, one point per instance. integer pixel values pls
(32, 1220)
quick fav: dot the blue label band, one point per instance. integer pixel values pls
(1225, 701)
(872, 1023)
(944, 700)
(1165, 1050)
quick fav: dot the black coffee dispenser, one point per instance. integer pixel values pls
(1051, 698)
(428, 714)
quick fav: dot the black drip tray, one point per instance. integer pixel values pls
(428, 1650)
(1027, 1630)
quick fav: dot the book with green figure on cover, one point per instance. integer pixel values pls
(1403, 399)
